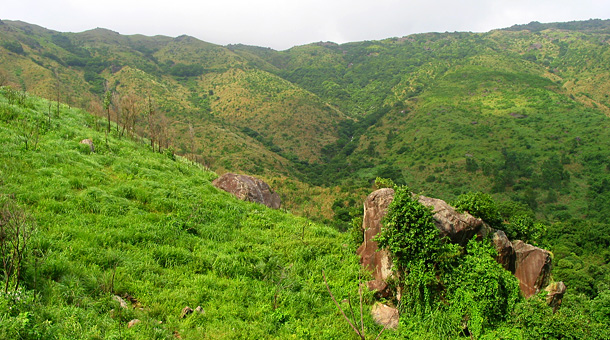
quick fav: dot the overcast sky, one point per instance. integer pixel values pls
(281, 24)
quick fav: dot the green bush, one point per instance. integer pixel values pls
(479, 205)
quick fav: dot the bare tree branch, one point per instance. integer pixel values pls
(341, 310)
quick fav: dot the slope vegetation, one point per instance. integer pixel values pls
(147, 227)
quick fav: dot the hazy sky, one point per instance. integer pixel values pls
(281, 24)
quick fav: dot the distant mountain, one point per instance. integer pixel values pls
(521, 112)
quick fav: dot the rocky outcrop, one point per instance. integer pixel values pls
(385, 315)
(185, 312)
(120, 300)
(458, 227)
(506, 253)
(378, 262)
(532, 267)
(248, 188)
(555, 291)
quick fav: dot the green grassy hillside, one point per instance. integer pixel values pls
(127, 221)
(192, 83)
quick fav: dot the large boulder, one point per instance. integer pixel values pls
(458, 227)
(532, 267)
(378, 262)
(506, 253)
(248, 188)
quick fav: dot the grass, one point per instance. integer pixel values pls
(126, 221)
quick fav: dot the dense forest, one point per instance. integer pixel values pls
(512, 125)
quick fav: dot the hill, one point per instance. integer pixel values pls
(323, 115)
(449, 113)
(125, 221)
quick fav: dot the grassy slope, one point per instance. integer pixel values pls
(234, 117)
(242, 95)
(126, 220)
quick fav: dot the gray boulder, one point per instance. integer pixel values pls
(248, 188)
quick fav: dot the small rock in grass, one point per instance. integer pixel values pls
(133, 323)
(186, 311)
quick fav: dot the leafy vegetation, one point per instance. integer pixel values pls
(124, 221)
(450, 292)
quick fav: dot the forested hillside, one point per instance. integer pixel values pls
(328, 114)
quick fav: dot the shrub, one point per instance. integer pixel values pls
(480, 205)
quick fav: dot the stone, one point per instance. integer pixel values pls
(555, 291)
(186, 311)
(375, 208)
(120, 300)
(532, 267)
(88, 142)
(381, 288)
(506, 254)
(385, 315)
(248, 188)
(459, 228)
(133, 323)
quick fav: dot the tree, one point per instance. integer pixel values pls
(151, 115)
(479, 291)
(409, 232)
(57, 90)
(107, 102)
(16, 228)
(129, 112)
(3, 78)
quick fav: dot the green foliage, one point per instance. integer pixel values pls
(18, 319)
(384, 183)
(536, 321)
(97, 82)
(523, 227)
(480, 205)
(413, 240)
(514, 218)
(13, 46)
(480, 290)
(409, 232)
(183, 70)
